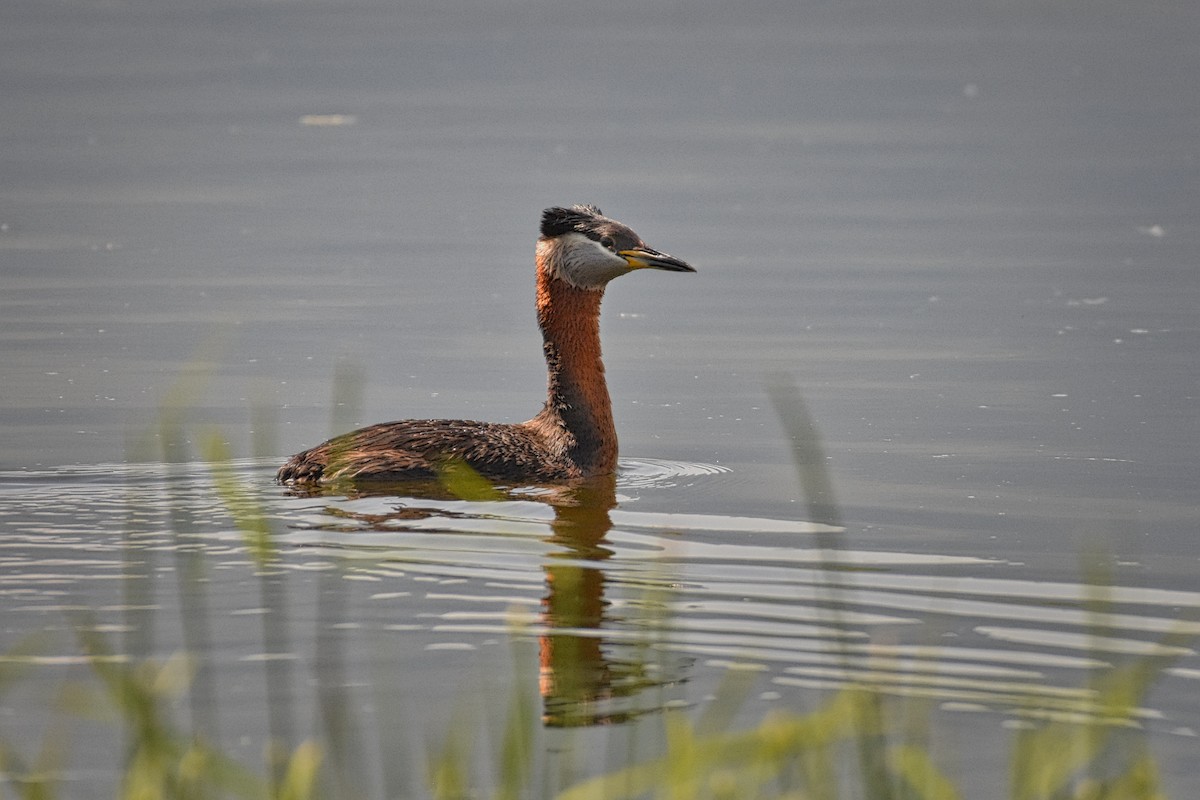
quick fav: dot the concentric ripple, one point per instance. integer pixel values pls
(661, 473)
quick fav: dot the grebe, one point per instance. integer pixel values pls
(579, 251)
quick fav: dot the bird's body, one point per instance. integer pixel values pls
(573, 436)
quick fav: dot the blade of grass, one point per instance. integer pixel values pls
(251, 519)
(914, 766)
(766, 750)
(300, 777)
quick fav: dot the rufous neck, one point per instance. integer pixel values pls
(577, 392)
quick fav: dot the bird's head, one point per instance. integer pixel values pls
(586, 249)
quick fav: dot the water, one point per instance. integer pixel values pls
(967, 234)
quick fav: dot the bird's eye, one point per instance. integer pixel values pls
(608, 244)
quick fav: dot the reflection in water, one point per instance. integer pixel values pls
(574, 673)
(585, 677)
(582, 671)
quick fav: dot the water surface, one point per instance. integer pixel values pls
(966, 233)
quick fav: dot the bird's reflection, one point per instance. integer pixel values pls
(585, 677)
(575, 675)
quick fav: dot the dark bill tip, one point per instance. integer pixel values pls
(645, 258)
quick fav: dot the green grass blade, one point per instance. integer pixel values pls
(249, 514)
(924, 780)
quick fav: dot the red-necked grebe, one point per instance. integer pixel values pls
(578, 253)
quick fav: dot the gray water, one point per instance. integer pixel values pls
(966, 233)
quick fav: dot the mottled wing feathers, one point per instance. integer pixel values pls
(415, 449)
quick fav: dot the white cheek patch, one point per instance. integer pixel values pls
(580, 261)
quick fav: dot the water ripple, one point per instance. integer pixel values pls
(785, 595)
